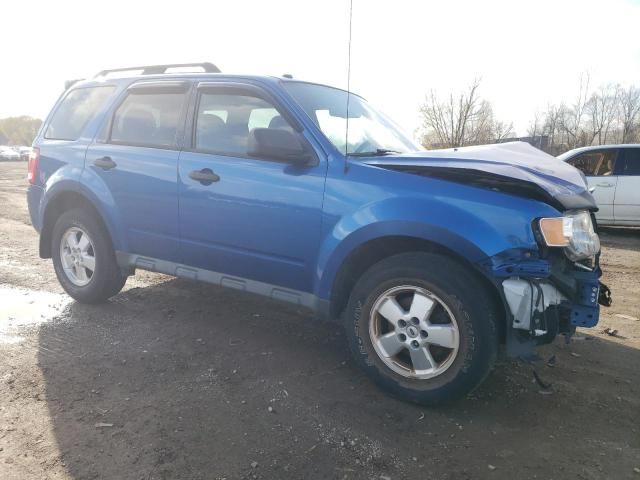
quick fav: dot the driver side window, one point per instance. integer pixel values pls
(595, 163)
(225, 120)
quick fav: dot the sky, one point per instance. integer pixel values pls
(527, 54)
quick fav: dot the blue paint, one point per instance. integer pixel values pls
(288, 225)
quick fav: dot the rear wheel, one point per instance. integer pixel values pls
(421, 326)
(84, 259)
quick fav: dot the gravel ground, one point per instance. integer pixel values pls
(172, 379)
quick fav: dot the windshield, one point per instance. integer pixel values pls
(370, 132)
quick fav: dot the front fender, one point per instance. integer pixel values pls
(471, 229)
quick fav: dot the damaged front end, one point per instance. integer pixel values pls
(550, 286)
(546, 293)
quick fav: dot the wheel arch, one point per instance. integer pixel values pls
(361, 258)
(58, 204)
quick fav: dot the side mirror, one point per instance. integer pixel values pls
(278, 144)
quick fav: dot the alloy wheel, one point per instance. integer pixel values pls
(77, 256)
(414, 332)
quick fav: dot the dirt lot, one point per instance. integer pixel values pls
(172, 379)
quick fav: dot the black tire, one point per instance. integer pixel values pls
(107, 279)
(464, 296)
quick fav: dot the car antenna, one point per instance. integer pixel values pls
(346, 135)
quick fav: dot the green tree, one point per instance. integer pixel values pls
(19, 130)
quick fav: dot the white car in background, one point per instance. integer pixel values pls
(613, 174)
(24, 152)
(8, 153)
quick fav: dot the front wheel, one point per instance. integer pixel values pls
(421, 326)
(84, 259)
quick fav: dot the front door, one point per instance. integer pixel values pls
(249, 217)
(599, 168)
(138, 161)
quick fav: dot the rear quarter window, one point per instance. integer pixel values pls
(75, 111)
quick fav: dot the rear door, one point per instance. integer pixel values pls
(627, 199)
(599, 168)
(137, 159)
(255, 218)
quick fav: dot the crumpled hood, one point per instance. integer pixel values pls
(514, 167)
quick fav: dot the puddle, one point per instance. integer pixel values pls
(24, 308)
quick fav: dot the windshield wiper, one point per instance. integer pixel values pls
(379, 152)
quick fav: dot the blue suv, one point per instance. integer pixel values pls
(300, 192)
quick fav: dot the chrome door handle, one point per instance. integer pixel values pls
(605, 185)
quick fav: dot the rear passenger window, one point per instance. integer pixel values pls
(75, 111)
(595, 164)
(148, 120)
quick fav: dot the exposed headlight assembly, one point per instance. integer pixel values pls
(573, 232)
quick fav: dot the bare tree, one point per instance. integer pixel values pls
(572, 122)
(594, 118)
(629, 112)
(601, 110)
(463, 119)
(553, 118)
(480, 127)
(611, 114)
(449, 120)
(535, 127)
(502, 130)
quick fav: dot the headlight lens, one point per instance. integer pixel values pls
(574, 232)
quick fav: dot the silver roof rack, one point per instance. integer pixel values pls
(206, 67)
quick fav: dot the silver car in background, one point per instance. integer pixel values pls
(613, 174)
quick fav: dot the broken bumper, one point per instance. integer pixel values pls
(529, 301)
(544, 297)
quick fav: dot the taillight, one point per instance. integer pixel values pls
(34, 159)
